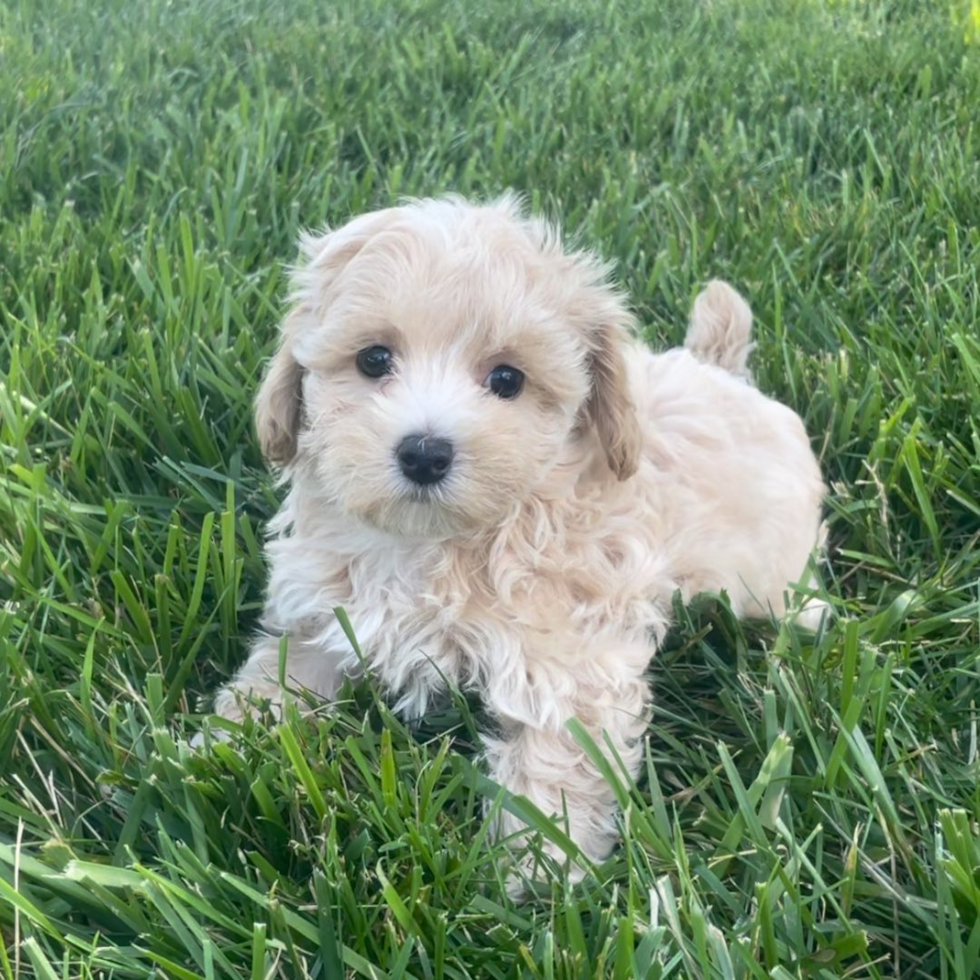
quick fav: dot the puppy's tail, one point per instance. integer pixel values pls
(721, 329)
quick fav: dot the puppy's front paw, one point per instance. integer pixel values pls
(199, 742)
(234, 703)
(529, 874)
(814, 615)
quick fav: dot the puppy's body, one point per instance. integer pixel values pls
(542, 577)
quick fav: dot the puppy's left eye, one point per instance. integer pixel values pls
(375, 362)
(505, 381)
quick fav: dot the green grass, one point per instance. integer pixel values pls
(809, 808)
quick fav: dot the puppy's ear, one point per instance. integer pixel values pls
(279, 404)
(611, 407)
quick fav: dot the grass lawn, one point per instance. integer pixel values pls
(809, 806)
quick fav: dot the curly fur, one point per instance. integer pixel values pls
(541, 573)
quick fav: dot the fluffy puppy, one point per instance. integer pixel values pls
(504, 490)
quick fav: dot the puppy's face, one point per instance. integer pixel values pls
(438, 360)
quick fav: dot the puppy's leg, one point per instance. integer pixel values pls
(546, 764)
(308, 666)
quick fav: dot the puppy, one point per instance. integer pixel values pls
(504, 490)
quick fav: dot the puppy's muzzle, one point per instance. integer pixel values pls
(424, 459)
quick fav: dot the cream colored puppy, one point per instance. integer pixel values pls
(503, 489)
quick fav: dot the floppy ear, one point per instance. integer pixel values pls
(279, 404)
(610, 406)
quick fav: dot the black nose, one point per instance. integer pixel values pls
(424, 459)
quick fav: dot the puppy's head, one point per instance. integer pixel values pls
(438, 359)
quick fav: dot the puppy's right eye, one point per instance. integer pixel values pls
(375, 362)
(505, 381)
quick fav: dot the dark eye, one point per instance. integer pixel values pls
(375, 362)
(505, 381)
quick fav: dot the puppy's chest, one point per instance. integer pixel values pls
(426, 614)
(464, 612)
(418, 611)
